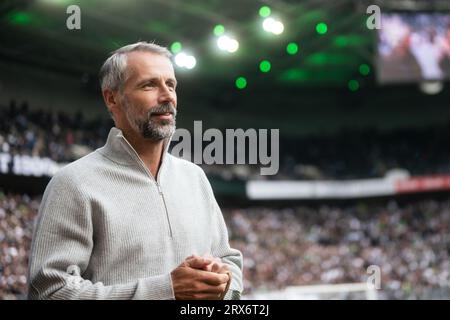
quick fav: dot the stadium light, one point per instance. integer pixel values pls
(292, 48)
(19, 18)
(227, 43)
(191, 62)
(321, 28)
(184, 60)
(219, 30)
(353, 85)
(241, 83)
(176, 47)
(272, 25)
(265, 66)
(364, 69)
(264, 11)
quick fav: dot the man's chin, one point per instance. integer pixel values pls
(160, 133)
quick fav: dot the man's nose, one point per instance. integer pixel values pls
(166, 96)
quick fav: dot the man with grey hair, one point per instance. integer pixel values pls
(129, 220)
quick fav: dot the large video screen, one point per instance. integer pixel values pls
(414, 47)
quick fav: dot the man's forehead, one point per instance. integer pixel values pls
(145, 64)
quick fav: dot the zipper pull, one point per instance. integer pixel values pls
(159, 188)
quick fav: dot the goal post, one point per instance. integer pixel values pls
(343, 291)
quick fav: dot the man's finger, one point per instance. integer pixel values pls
(197, 262)
(216, 267)
(212, 278)
(219, 289)
(224, 268)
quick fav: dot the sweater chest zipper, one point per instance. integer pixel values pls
(165, 207)
(139, 160)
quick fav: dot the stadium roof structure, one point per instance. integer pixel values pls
(329, 39)
(324, 44)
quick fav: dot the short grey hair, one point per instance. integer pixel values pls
(112, 73)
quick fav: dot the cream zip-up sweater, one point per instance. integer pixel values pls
(107, 229)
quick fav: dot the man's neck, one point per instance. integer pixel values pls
(149, 151)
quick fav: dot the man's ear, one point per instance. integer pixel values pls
(110, 98)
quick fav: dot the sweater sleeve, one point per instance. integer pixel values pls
(62, 244)
(221, 247)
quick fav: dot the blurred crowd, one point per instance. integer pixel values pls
(328, 244)
(368, 153)
(348, 154)
(17, 216)
(56, 135)
(295, 246)
(300, 245)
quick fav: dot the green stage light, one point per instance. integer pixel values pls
(364, 69)
(219, 30)
(19, 18)
(292, 48)
(321, 28)
(176, 47)
(264, 66)
(264, 11)
(241, 83)
(353, 85)
(341, 41)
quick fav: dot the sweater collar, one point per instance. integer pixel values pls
(119, 150)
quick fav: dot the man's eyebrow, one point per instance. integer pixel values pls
(146, 80)
(173, 80)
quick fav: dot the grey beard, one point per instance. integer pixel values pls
(157, 130)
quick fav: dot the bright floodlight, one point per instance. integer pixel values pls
(190, 62)
(268, 24)
(226, 43)
(278, 27)
(184, 60)
(273, 26)
(222, 42)
(233, 45)
(180, 59)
